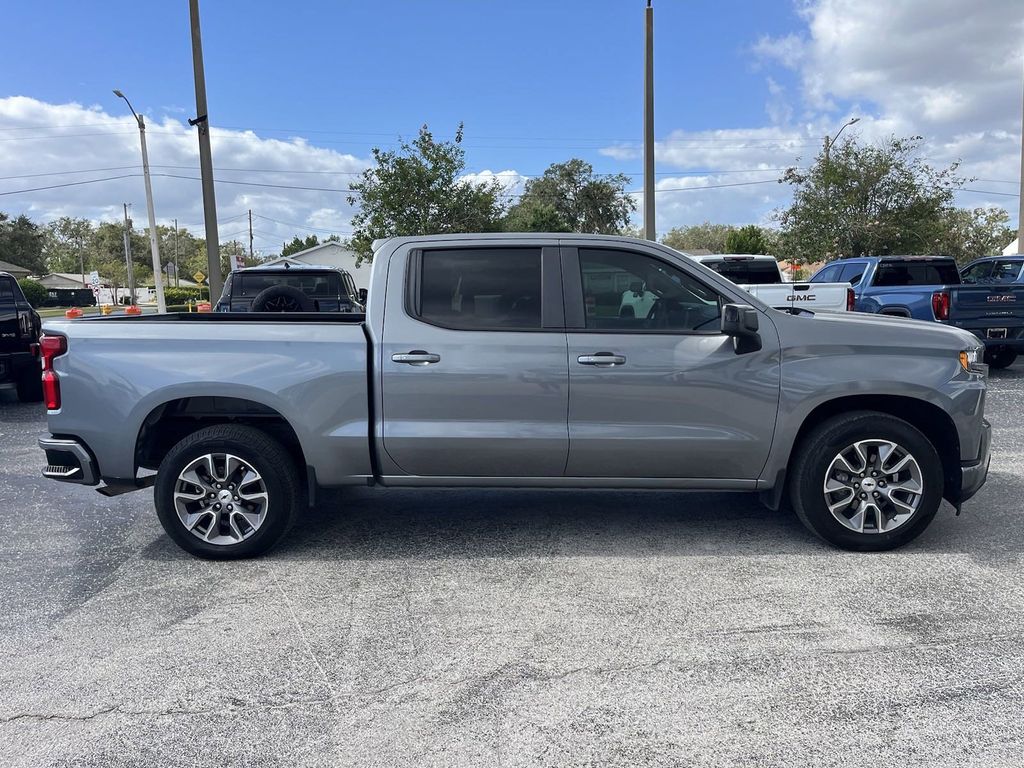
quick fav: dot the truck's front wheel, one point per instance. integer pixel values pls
(227, 491)
(866, 481)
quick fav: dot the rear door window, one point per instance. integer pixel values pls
(904, 273)
(6, 290)
(851, 273)
(478, 289)
(829, 274)
(1004, 272)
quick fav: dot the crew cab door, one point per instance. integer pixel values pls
(664, 395)
(473, 363)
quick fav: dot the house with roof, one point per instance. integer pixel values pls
(14, 270)
(330, 254)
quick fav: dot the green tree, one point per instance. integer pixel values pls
(34, 291)
(569, 197)
(867, 200)
(748, 239)
(298, 244)
(416, 190)
(21, 243)
(702, 237)
(966, 234)
(66, 244)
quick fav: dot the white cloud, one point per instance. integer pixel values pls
(947, 70)
(41, 138)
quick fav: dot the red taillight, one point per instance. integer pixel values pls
(851, 300)
(940, 305)
(52, 346)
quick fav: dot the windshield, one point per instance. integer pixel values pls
(749, 272)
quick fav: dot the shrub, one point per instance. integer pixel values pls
(174, 295)
(33, 290)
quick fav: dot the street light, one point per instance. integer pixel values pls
(153, 241)
(829, 141)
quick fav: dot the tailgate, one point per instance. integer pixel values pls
(10, 331)
(991, 311)
(817, 297)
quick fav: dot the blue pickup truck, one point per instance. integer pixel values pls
(931, 288)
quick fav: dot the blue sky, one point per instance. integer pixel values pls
(740, 87)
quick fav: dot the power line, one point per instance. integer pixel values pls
(71, 184)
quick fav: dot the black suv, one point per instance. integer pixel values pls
(20, 328)
(290, 289)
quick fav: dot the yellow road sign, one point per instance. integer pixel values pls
(199, 277)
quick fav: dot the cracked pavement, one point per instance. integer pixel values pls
(509, 628)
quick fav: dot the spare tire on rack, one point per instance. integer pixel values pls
(282, 298)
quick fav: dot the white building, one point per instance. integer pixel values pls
(1012, 249)
(330, 254)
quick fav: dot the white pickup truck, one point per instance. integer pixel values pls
(761, 276)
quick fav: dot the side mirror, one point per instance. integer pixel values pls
(362, 296)
(740, 321)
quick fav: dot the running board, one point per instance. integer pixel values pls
(116, 489)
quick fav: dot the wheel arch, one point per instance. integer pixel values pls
(930, 419)
(172, 420)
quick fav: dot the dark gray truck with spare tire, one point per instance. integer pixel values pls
(503, 360)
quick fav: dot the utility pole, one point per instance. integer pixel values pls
(1020, 211)
(649, 228)
(250, 235)
(829, 141)
(128, 254)
(81, 257)
(205, 155)
(176, 283)
(154, 239)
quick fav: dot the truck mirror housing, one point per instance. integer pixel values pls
(740, 321)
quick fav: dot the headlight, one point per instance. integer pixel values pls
(970, 360)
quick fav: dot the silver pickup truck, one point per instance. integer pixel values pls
(503, 360)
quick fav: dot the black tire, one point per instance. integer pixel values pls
(1002, 358)
(30, 386)
(282, 298)
(815, 454)
(280, 475)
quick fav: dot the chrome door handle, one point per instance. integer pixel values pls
(601, 360)
(416, 357)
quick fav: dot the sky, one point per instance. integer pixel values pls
(299, 93)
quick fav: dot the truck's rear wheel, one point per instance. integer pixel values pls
(227, 491)
(30, 385)
(1002, 358)
(866, 481)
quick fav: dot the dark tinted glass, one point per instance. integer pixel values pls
(851, 273)
(6, 290)
(322, 284)
(626, 291)
(481, 289)
(747, 272)
(917, 273)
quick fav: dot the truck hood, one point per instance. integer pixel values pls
(863, 326)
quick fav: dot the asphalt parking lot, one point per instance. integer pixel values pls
(510, 628)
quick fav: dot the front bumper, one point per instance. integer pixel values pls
(69, 461)
(974, 473)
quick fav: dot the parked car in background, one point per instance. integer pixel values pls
(503, 360)
(20, 327)
(993, 307)
(290, 288)
(901, 286)
(762, 277)
(930, 288)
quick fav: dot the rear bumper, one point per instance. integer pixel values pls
(69, 461)
(974, 473)
(1005, 337)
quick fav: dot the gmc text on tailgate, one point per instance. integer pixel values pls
(505, 360)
